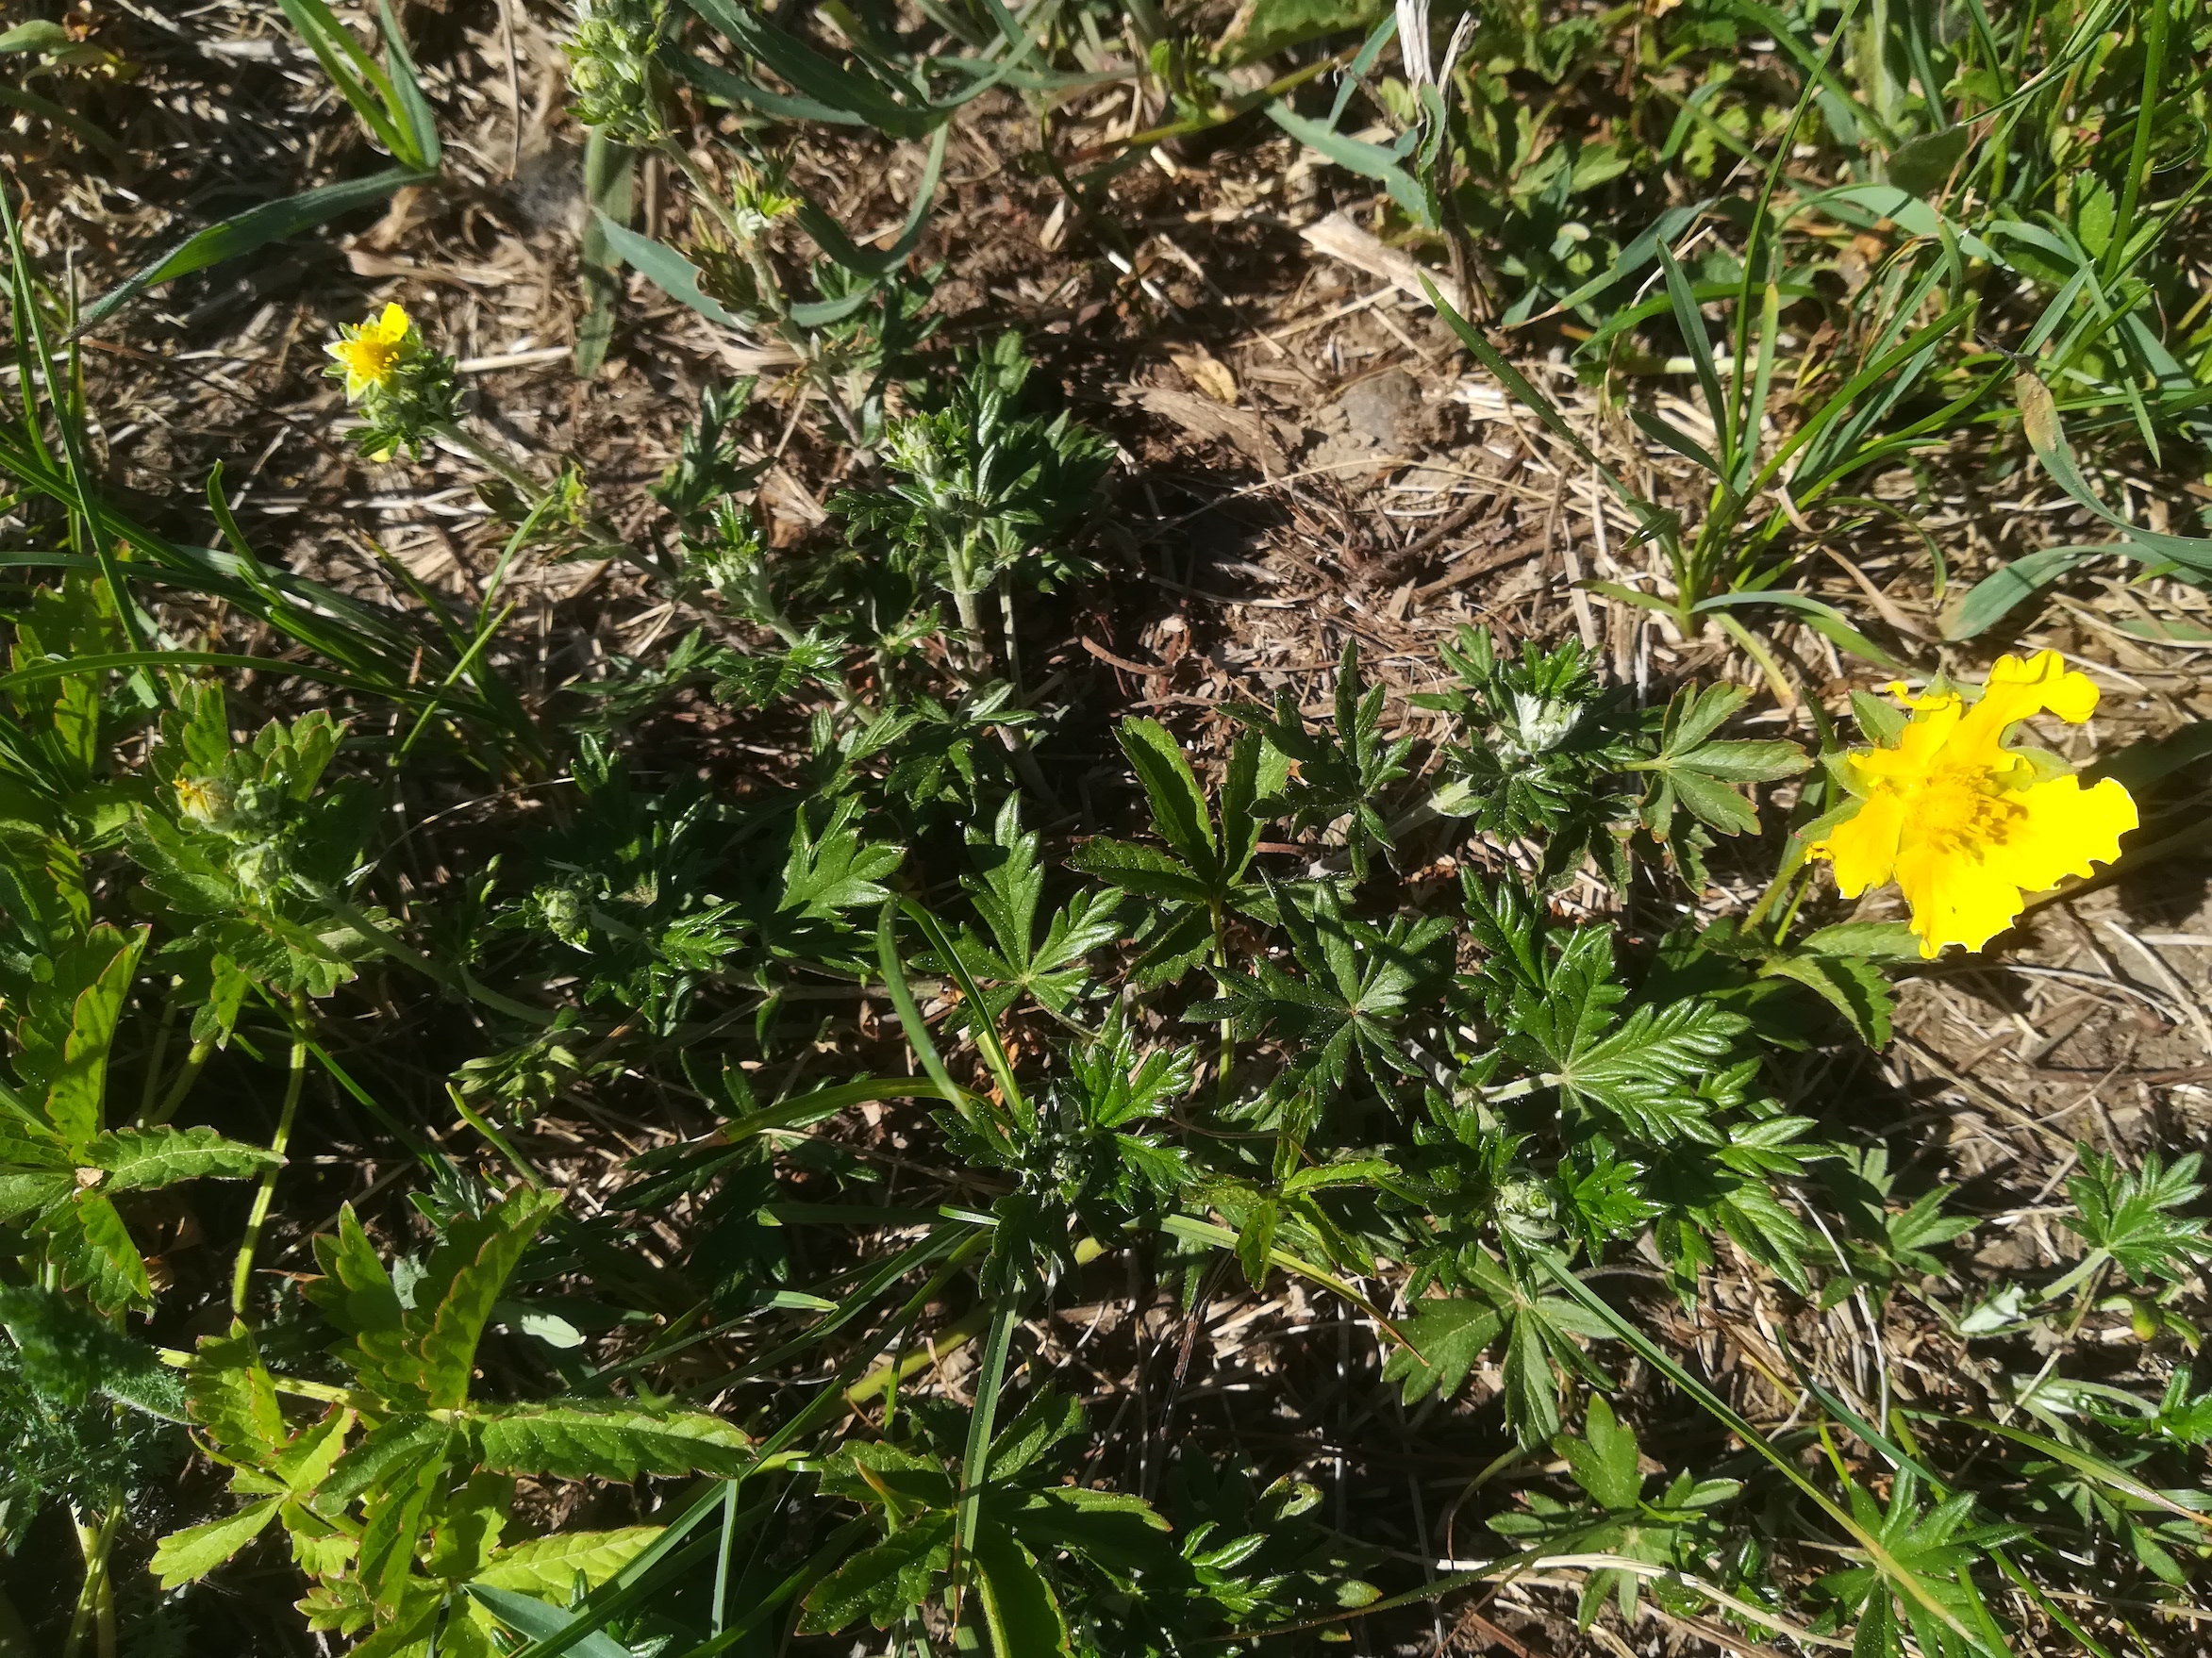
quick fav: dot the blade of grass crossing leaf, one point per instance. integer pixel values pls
(2047, 436)
(975, 1460)
(1657, 1357)
(364, 86)
(830, 1402)
(1820, 616)
(719, 83)
(666, 269)
(550, 1629)
(811, 74)
(274, 667)
(1841, 401)
(487, 624)
(2057, 1614)
(623, 1594)
(47, 109)
(1997, 594)
(1357, 156)
(813, 1106)
(1902, 1459)
(910, 1019)
(986, 1037)
(2089, 1466)
(1191, 1230)
(1761, 385)
(1355, 73)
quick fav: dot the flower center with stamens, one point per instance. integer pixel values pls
(1962, 807)
(372, 357)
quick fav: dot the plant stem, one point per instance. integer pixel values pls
(1228, 1059)
(243, 1274)
(534, 493)
(161, 1050)
(195, 1061)
(95, 1600)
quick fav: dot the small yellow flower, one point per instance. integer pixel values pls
(370, 353)
(1966, 826)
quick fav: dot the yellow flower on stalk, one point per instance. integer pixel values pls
(371, 352)
(1966, 826)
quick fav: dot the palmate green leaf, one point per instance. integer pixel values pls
(1603, 1461)
(1914, 1234)
(1006, 894)
(1359, 980)
(186, 1557)
(1444, 1338)
(1344, 774)
(608, 1440)
(882, 1581)
(1649, 1071)
(145, 1159)
(2128, 1215)
(833, 870)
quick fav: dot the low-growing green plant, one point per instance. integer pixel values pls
(918, 1031)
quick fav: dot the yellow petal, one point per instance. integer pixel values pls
(1956, 897)
(2062, 827)
(1863, 849)
(391, 327)
(1920, 747)
(2017, 689)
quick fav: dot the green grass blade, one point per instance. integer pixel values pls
(986, 1037)
(975, 1459)
(241, 234)
(425, 150)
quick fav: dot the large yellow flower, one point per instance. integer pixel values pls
(1966, 826)
(370, 353)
